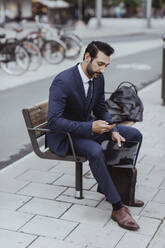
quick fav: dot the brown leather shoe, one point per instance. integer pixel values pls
(124, 219)
(136, 203)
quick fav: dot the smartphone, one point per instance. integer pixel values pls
(111, 124)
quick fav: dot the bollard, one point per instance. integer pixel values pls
(163, 73)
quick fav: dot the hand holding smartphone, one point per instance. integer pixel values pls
(100, 126)
(111, 124)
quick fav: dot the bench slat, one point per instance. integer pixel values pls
(38, 116)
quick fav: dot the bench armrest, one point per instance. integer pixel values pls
(48, 130)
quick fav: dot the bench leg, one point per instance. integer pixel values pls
(79, 190)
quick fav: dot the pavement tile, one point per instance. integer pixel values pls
(45, 207)
(154, 210)
(144, 168)
(160, 197)
(42, 190)
(31, 161)
(88, 194)
(151, 180)
(162, 186)
(88, 215)
(148, 226)
(13, 220)
(39, 176)
(15, 239)
(72, 199)
(159, 240)
(95, 236)
(159, 170)
(34, 162)
(11, 185)
(68, 167)
(149, 150)
(158, 150)
(12, 201)
(94, 188)
(157, 159)
(69, 181)
(53, 243)
(104, 205)
(13, 172)
(134, 240)
(145, 193)
(49, 227)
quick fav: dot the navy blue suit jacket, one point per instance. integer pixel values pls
(66, 110)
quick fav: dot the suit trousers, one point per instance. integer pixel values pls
(92, 150)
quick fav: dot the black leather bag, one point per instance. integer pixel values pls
(123, 156)
(124, 104)
(125, 182)
(121, 167)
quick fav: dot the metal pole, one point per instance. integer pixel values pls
(163, 73)
(149, 13)
(99, 12)
(80, 10)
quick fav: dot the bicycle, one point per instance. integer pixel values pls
(31, 48)
(14, 59)
(71, 41)
(51, 49)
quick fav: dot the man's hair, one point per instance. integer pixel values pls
(95, 46)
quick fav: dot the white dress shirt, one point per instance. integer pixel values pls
(84, 78)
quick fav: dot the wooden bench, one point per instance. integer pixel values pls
(36, 119)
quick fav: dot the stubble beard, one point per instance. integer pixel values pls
(92, 73)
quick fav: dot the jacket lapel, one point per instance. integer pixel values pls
(79, 85)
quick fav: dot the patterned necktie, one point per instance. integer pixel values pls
(89, 94)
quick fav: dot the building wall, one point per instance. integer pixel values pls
(15, 9)
(26, 8)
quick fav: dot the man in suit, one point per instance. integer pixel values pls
(77, 105)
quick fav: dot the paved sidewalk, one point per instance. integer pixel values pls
(38, 208)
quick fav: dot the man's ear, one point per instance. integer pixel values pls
(87, 57)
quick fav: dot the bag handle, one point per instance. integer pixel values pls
(129, 83)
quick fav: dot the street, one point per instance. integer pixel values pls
(140, 68)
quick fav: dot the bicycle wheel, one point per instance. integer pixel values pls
(75, 37)
(73, 47)
(34, 54)
(17, 59)
(53, 52)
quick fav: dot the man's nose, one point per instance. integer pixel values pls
(102, 70)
